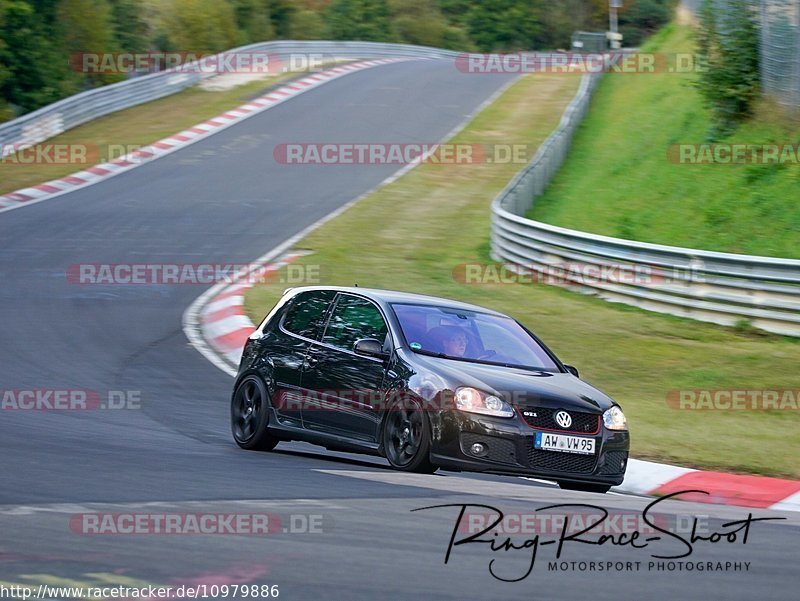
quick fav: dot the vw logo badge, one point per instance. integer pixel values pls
(563, 419)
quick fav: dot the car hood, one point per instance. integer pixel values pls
(522, 387)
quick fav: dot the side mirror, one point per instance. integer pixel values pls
(369, 347)
(573, 370)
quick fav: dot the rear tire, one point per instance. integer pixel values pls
(407, 438)
(598, 488)
(250, 416)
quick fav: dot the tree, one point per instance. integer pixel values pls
(199, 26)
(418, 22)
(253, 20)
(729, 60)
(3, 69)
(281, 13)
(87, 27)
(130, 29)
(359, 20)
(559, 20)
(643, 17)
(454, 10)
(36, 72)
(5, 111)
(307, 25)
(46, 11)
(503, 25)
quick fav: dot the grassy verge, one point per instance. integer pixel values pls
(619, 181)
(411, 234)
(137, 126)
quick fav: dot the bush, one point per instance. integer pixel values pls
(418, 22)
(503, 25)
(366, 20)
(728, 56)
(6, 114)
(35, 65)
(200, 25)
(643, 18)
(307, 25)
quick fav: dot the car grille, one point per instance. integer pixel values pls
(500, 450)
(612, 462)
(560, 462)
(582, 423)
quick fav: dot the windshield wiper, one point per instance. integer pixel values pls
(435, 354)
(478, 361)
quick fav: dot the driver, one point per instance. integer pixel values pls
(454, 342)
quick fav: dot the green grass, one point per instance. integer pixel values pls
(618, 180)
(137, 126)
(411, 234)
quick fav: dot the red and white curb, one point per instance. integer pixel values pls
(92, 175)
(222, 322)
(658, 479)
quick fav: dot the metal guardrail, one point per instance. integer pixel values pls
(51, 120)
(710, 286)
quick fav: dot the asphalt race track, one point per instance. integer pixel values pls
(225, 200)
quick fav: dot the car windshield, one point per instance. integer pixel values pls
(470, 336)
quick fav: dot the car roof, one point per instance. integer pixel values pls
(394, 296)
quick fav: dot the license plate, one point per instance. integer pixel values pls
(564, 444)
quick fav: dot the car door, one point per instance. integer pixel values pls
(345, 390)
(301, 324)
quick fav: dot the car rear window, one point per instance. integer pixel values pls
(306, 314)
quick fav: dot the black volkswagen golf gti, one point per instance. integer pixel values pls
(427, 383)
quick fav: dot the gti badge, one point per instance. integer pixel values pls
(563, 419)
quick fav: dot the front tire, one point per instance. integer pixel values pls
(598, 488)
(407, 438)
(250, 415)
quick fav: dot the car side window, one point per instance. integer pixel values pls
(354, 318)
(306, 315)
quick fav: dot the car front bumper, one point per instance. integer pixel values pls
(510, 444)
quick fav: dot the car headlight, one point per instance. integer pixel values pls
(614, 419)
(475, 401)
